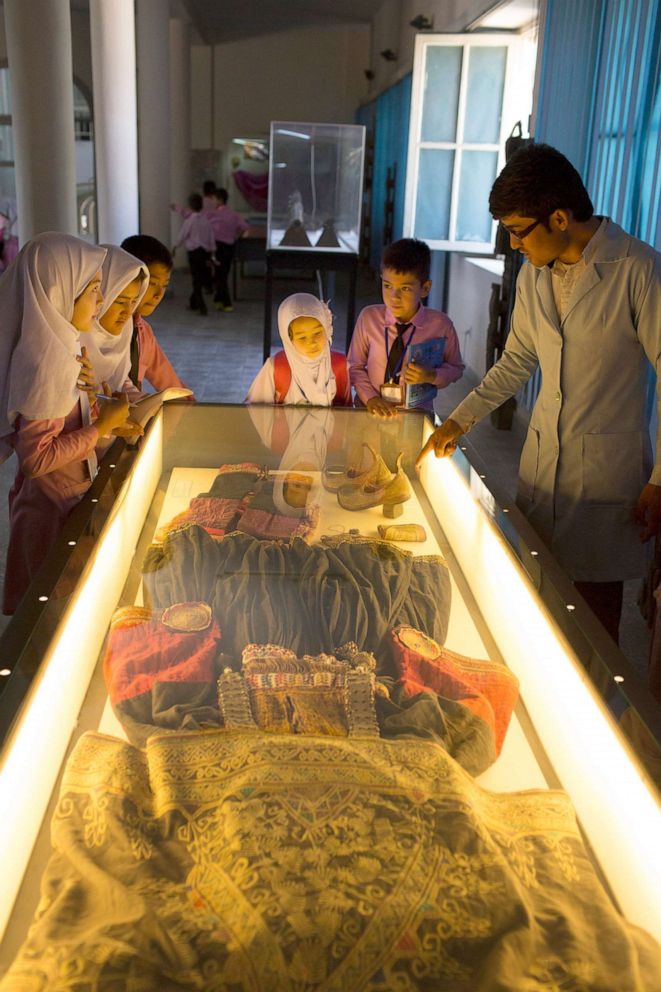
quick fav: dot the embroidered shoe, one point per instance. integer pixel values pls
(389, 494)
(377, 473)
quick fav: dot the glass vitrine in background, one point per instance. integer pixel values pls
(315, 186)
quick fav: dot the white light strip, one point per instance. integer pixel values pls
(32, 756)
(620, 815)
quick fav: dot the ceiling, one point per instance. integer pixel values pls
(218, 21)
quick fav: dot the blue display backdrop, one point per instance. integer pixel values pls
(389, 116)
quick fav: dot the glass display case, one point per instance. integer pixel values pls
(231, 539)
(315, 186)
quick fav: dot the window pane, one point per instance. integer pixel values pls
(7, 190)
(484, 97)
(478, 171)
(441, 96)
(432, 211)
(6, 143)
(5, 93)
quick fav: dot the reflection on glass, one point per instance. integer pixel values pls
(478, 171)
(432, 211)
(484, 97)
(441, 96)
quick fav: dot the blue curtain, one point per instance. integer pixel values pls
(600, 104)
(388, 116)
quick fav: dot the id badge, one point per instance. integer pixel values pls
(393, 392)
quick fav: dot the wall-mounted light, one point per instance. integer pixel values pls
(388, 55)
(422, 23)
(368, 73)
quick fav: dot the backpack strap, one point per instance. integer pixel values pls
(281, 376)
(341, 373)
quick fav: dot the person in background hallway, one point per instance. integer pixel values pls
(587, 311)
(148, 360)
(227, 226)
(377, 354)
(49, 297)
(197, 235)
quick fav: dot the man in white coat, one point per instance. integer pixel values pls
(588, 311)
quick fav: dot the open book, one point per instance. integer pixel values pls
(429, 354)
(148, 405)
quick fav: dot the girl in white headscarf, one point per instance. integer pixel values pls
(48, 296)
(124, 281)
(306, 371)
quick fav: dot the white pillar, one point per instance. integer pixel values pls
(152, 22)
(39, 55)
(180, 114)
(112, 34)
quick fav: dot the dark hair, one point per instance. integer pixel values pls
(536, 181)
(408, 255)
(222, 194)
(209, 187)
(149, 250)
(195, 202)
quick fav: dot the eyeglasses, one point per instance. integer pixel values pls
(520, 235)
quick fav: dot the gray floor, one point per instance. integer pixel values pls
(218, 356)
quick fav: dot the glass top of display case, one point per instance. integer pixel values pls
(235, 550)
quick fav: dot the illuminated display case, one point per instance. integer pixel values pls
(509, 602)
(315, 187)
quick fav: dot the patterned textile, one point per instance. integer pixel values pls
(309, 599)
(224, 862)
(160, 668)
(487, 688)
(217, 516)
(242, 499)
(287, 695)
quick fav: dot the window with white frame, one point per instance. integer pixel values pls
(469, 90)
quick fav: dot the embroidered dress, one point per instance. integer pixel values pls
(239, 861)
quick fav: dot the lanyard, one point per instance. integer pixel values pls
(395, 371)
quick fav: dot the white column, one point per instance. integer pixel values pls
(39, 55)
(180, 114)
(152, 21)
(112, 33)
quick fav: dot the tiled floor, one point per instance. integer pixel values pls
(218, 356)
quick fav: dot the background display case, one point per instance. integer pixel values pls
(315, 187)
(509, 602)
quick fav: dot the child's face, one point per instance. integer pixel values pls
(159, 280)
(402, 293)
(308, 336)
(296, 489)
(121, 308)
(88, 304)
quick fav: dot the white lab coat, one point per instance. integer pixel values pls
(587, 454)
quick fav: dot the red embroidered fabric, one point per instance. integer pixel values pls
(143, 648)
(487, 688)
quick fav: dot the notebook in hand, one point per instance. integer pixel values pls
(429, 354)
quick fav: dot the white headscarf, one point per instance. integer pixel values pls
(312, 379)
(39, 344)
(110, 354)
